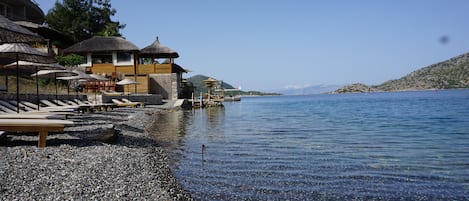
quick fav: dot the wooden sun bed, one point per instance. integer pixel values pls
(98, 106)
(142, 104)
(32, 116)
(122, 104)
(42, 126)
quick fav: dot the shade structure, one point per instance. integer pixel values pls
(42, 66)
(59, 69)
(61, 72)
(83, 77)
(156, 50)
(36, 67)
(10, 32)
(24, 52)
(127, 81)
(102, 44)
(98, 77)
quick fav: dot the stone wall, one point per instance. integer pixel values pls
(32, 97)
(161, 84)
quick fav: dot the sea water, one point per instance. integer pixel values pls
(378, 146)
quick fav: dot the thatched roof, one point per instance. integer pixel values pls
(24, 52)
(178, 68)
(13, 33)
(102, 44)
(156, 50)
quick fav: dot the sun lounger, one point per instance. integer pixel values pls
(55, 110)
(42, 126)
(23, 106)
(8, 107)
(31, 116)
(122, 104)
(99, 106)
(110, 92)
(142, 104)
(52, 105)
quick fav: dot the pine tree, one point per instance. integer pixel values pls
(83, 19)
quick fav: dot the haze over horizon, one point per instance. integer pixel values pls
(273, 45)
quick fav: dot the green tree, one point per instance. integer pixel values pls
(70, 60)
(83, 19)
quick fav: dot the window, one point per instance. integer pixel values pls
(101, 58)
(123, 57)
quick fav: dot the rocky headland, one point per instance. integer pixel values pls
(450, 74)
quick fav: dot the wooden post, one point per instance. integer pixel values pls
(42, 138)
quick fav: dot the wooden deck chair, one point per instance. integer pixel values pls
(47, 109)
(97, 106)
(122, 104)
(41, 126)
(55, 106)
(23, 106)
(125, 100)
(31, 116)
(9, 106)
(6, 109)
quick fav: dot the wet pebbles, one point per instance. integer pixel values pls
(76, 165)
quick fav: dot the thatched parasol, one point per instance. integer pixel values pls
(24, 52)
(156, 50)
(126, 82)
(102, 44)
(36, 66)
(13, 33)
(54, 69)
(209, 83)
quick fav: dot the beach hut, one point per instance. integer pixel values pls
(113, 56)
(165, 77)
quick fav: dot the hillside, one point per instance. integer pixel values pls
(197, 81)
(450, 74)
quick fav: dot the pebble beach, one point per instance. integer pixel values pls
(79, 164)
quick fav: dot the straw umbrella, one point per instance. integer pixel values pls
(209, 83)
(59, 70)
(127, 82)
(13, 33)
(37, 66)
(156, 51)
(83, 77)
(24, 52)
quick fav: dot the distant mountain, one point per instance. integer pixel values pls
(316, 89)
(450, 74)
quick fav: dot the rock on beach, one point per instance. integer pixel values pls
(75, 165)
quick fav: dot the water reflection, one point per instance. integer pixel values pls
(169, 128)
(206, 127)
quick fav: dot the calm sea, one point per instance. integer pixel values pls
(378, 146)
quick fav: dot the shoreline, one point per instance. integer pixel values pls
(75, 165)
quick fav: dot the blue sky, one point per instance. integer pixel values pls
(270, 45)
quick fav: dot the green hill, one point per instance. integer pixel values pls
(197, 81)
(450, 74)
